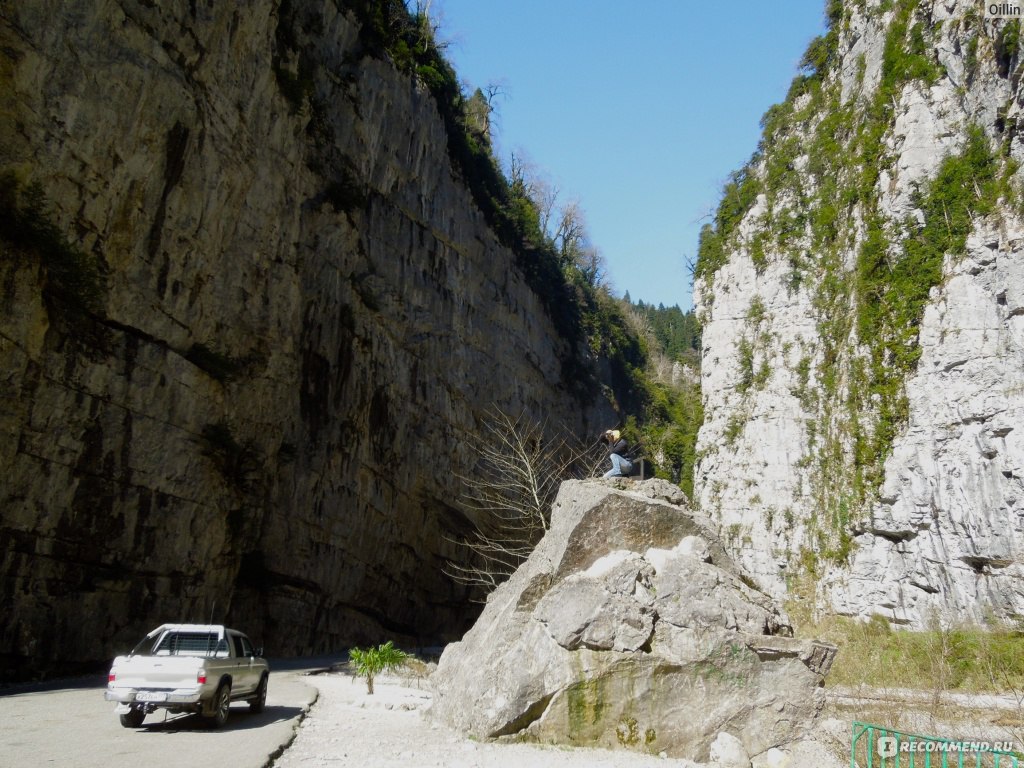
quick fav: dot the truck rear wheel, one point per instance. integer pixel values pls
(133, 718)
(221, 705)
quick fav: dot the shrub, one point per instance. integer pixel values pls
(370, 662)
(734, 427)
(738, 196)
(745, 352)
(756, 312)
(71, 275)
(1006, 47)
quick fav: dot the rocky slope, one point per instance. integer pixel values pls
(260, 417)
(862, 293)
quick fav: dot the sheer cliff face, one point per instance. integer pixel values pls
(305, 315)
(862, 292)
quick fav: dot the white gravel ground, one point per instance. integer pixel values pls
(346, 726)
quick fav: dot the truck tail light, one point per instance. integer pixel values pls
(201, 677)
(111, 677)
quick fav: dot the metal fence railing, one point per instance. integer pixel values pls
(873, 746)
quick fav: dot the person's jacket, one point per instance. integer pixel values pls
(620, 448)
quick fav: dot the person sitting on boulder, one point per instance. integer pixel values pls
(617, 447)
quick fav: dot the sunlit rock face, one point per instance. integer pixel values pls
(929, 523)
(263, 418)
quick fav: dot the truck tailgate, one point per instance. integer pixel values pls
(158, 672)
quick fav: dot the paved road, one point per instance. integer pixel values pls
(74, 726)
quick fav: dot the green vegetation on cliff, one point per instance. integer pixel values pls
(818, 173)
(892, 295)
(76, 278)
(672, 413)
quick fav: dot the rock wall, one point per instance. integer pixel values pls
(305, 316)
(797, 466)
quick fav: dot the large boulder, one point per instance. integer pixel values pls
(630, 626)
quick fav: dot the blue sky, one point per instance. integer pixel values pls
(638, 110)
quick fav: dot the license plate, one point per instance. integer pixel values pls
(151, 696)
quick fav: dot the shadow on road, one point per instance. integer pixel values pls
(62, 684)
(239, 720)
(307, 664)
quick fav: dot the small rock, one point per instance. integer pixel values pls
(773, 758)
(727, 751)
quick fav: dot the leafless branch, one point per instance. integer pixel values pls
(521, 463)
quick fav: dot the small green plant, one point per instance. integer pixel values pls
(745, 351)
(75, 277)
(734, 427)
(764, 372)
(756, 311)
(627, 731)
(370, 662)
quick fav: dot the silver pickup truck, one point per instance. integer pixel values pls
(188, 668)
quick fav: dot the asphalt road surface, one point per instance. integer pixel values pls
(74, 726)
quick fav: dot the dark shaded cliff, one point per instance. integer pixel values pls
(251, 311)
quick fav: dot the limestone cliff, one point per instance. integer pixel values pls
(273, 310)
(862, 294)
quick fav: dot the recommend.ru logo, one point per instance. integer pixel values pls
(889, 746)
(886, 746)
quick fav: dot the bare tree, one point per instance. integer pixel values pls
(541, 190)
(521, 465)
(546, 199)
(481, 109)
(428, 26)
(522, 175)
(493, 91)
(690, 264)
(570, 235)
(564, 225)
(592, 266)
